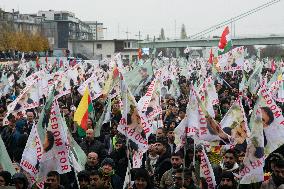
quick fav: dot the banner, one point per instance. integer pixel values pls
(131, 123)
(32, 154)
(137, 158)
(206, 170)
(145, 100)
(60, 150)
(277, 90)
(94, 87)
(275, 131)
(28, 99)
(197, 122)
(252, 171)
(232, 60)
(236, 120)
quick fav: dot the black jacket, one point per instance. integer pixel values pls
(162, 165)
(94, 146)
(121, 161)
(91, 168)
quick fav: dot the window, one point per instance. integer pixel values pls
(128, 45)
(108, 56)
(134, 57)
(43, 15)
(99, 46)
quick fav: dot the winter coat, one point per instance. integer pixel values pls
(93, 146)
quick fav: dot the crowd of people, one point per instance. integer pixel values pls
(109, 156)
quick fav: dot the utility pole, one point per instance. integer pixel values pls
(175, 29)
(96, 30)
(117, 31)
(127, 32)
(234, 29)
(139, 35)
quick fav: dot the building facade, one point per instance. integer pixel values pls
(57, 26)
(61, 26)
(97, 29)
(101, 49)
(17, 22)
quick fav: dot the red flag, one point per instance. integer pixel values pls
(61, 63)
(46, 60)
(115, 73)
(273, 66)
(37, 62)
(211, 57)
(139, 53)
(223, 40)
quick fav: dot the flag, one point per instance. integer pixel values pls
(274, 132)
(37, 62)
(255, 79)
(105, 117)
(236, 120)
(32, 154)
(225, 43)
(44, 116)
(78, 157)
(33, 151)
(56, 158)
(211, 57)
(197, 123)
(186, 50)
(131, 124)
(94, 87)
(206, 170)
(252, 170)
(139, 53)
(5, 160)
(82, 113)
(273, 66)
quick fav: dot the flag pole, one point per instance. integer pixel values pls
(126, 133)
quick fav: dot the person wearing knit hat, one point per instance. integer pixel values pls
(108, 161)
(163, 163)
(227, 181)
(110, 179)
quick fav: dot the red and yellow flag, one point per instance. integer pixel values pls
(82, 113)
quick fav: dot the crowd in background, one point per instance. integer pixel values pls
(108, 155)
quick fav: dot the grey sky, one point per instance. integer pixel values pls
(149, 16)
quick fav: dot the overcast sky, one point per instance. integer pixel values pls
(149, 16)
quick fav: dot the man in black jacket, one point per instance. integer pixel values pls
(90, 144)
(92, 162)
(163, 163)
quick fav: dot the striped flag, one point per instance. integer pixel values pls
(225, 43)
(82, 113)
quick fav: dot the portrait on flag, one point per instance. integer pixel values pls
(232, 60)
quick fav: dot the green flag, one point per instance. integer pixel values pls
(44, 116)
(5, 160)
(107, 109)
(75, 150)
(255, 79)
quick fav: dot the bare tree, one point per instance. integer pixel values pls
(272, 51)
